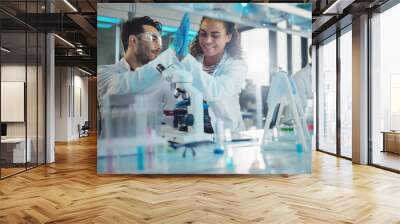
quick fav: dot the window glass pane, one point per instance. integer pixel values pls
(255, 46)
(104, 48)
(346, 94)
(41, 98)
(296, 51)
(253, 97)
(31, 97)
(327, 97)
(282, 47)
(32, 85)
(13, 87)
(314, 87)
(385, 89)
(22, 87)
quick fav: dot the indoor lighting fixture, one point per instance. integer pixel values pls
(86, 72)
(5, 50)
(334, 5)
(171, 29)
(79, 51)
(70, 5)
(65, 41)
(337, 7)
(106, 19)
(104, 25)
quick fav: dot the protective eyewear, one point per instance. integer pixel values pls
(153, 37)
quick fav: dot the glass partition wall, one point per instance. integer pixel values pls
(22, 78)
(334, 104)
(346, 93)
(385, 90)
(334, 96)
(13, 109)
(326, 130)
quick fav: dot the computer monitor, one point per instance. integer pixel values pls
(3, 129)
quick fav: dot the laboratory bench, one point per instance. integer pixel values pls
(122, 156)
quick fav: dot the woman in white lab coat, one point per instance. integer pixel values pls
(218, 70)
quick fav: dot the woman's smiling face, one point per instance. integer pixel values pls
(213, 37)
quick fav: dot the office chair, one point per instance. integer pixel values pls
(84, 130)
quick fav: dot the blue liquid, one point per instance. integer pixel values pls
(140, 158)
(219, 151)
(299, 148)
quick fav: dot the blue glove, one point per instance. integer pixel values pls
(185, 47)
(181, 39)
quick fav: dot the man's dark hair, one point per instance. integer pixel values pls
(134, 26)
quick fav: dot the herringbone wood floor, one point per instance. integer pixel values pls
(69, 191)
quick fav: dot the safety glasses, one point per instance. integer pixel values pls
(152, 37)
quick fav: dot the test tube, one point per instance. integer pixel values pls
(140, 158)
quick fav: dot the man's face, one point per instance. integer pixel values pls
(147, 48)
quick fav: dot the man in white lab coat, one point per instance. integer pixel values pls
(135, 74)
(303, 80)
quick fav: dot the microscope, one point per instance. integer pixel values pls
(188, 123)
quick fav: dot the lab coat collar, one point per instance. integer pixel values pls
(222, 61)
(124, 63)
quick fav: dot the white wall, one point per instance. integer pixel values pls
(12, 73)
(12, 101)
(69, 85)
(79, 117)
(33, 126)
(61, 103)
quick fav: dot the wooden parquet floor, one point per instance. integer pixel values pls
(70, 191)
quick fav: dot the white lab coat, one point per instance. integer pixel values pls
(221, 89)
(118, 79)
(145, 83)
(303, 81)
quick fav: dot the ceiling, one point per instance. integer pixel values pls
(330, 15)
(245, 15)
(74, 22)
